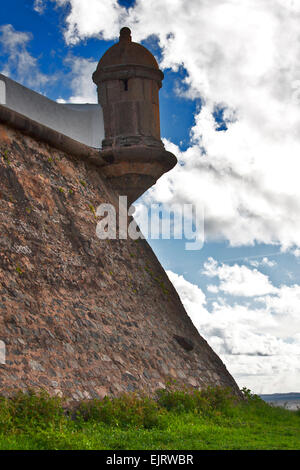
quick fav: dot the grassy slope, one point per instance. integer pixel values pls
(175, 424)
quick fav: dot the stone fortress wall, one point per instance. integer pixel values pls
(80, 316)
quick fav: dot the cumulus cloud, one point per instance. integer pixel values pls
(241, 58)
(264, 262)
(257, 344)
(82, 87)
(238, 280)
(296, 252)
(191, 295)
(101, 19)
(286, 302)
(23, 67)
(19, 63)
(39, 6)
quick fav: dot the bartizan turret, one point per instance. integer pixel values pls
(128, 80)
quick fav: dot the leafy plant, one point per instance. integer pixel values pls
(127, 410)
(19, 270)
(92, 209)
(31, 410)
(5, 157)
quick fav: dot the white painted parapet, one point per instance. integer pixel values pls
(2, 91)
(81, 122)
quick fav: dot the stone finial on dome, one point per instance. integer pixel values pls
(125, 35)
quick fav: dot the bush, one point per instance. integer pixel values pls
(127, 410)
(176, 419)
(251, 397)
(5, 416)
(219, 398)
(37, 411)
(203, 402)
(30, 410)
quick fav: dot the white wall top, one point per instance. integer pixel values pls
(81, 122)
(2, 92)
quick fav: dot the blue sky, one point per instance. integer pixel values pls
(230, 112)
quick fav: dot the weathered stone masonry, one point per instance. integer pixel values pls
(81, 316)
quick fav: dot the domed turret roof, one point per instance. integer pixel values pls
(127, 52)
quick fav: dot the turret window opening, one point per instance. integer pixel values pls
(125, 82)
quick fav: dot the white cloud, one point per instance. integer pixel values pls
(238, 280)
(264, 262)
(191, 295)
(20, 64)
(296, 253)
(286, 302)
(102, 19)
(39, 6)
(240, 56)
(267, 374)
(82, 86)
(213, 289)
(258, 345)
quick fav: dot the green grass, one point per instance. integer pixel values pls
(175, 420)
